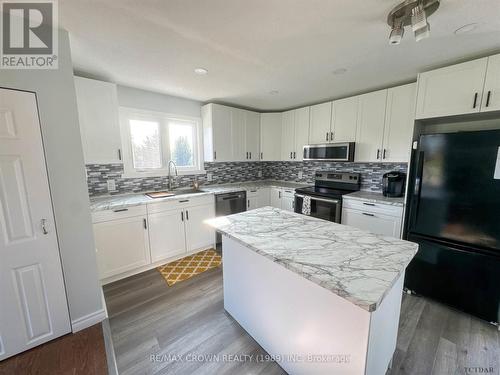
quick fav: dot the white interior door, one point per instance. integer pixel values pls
(33, 307)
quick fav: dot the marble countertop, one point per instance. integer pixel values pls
(354, 264)
(119, 201)
(373, 197)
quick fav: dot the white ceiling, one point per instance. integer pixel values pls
(251, 47)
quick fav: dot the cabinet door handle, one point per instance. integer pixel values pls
(43, 224)
(250, 155)
(121, 210)
(187, 215)
(368, 204)
(294, 155)
(182, 215)
(215, 155)
(383, 154)
(261, 155)
(145, 223)
(290, 155)
(119, 154)
(475, 100)
(184, 201)
(331, 136)
(488, 99)
(279, 194)
(378, 153)
(248, 203)
(367, 214)
(327, 136)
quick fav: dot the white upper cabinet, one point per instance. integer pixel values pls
(454, 90)
(399, 122)
(370, 129)
(270, 133)
(301, 132)
(252, 135)
(344, 120)
(238, 133)
(217, 132)
(319, 128)
(288, 135)
(491, 94)
(230, 134)
(99, 121)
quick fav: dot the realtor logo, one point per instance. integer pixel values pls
(29, 34)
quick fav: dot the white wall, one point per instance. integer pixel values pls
(63, 151)
(136, 98)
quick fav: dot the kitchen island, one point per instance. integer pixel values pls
(319, 297)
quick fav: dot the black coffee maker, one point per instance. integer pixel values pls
(393, 184)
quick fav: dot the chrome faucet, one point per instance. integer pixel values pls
(170, 174)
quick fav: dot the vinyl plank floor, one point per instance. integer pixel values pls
(149, 318)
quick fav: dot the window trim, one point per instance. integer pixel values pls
(126, 113)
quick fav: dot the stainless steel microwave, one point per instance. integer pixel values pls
(330, 152)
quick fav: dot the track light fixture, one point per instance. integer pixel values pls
(414, 13)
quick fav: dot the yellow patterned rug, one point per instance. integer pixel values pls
(190, 266)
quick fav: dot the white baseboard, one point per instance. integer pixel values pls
(88, 320)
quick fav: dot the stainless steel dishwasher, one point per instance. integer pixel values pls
(227, 204)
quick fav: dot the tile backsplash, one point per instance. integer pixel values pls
(223, 173)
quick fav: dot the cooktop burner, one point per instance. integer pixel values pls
(332, 184)
(322, 191)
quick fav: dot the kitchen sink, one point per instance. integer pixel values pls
(164, 194)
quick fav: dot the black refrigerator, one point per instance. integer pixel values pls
(454, 215)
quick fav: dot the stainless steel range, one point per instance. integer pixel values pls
(325, 196)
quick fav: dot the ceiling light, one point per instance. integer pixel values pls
(422, 33)
(201, 71)
(466, 28)
(414, 13)
(397, 32)
(418, 18)
(339, 71)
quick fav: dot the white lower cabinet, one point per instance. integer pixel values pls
(275, 200)
(263, 197)
(135, 239)
(377, 218)
(288, 199)
(282, 198)
(166, 234)
(252, 199)
(198, 234)
(122, 244)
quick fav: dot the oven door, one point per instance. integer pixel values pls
(321, 208)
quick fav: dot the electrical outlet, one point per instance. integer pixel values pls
(111, 185)
(209, 177)
(259, 174)
(300, 175)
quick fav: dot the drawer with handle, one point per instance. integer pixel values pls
(372, 207)
(118, 213)
(187, 201)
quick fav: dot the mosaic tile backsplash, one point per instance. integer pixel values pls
(223, 173)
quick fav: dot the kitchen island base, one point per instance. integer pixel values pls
(306, 328)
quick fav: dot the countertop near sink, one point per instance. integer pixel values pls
(116, 202)
(373, 197)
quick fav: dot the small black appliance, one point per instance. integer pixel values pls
(393, 184)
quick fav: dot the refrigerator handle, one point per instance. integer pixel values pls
(417, 187)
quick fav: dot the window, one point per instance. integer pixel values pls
(151, 139)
